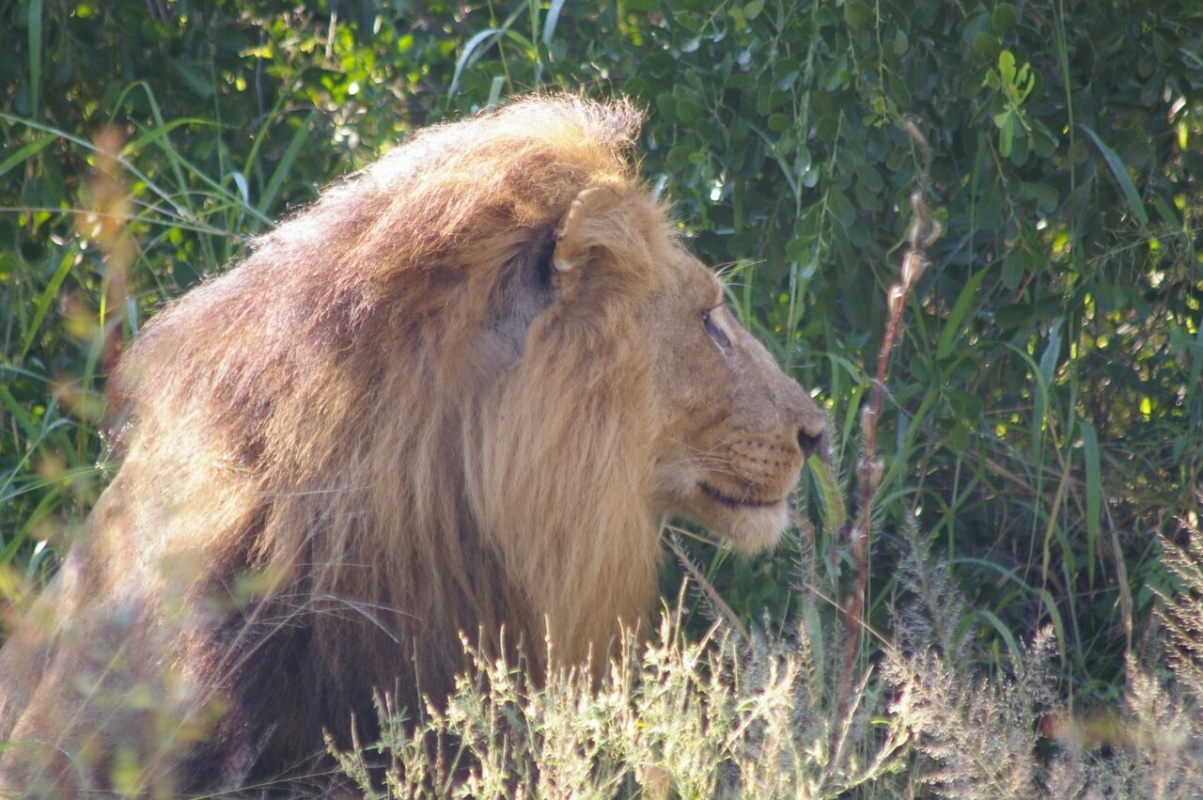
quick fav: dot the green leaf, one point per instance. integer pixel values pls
(1006, 67)
(1003, 18)
(689, 110)
(193, 79)
(1006, 132)
(985, 44)
(1045, 195)
(858, 15)
(1021, 261)
(958, 438)
(966, 405)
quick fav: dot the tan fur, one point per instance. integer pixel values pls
(461, 392)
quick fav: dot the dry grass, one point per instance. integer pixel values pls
(733, 717)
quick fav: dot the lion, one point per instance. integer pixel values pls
(459, 395)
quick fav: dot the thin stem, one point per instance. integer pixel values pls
(924, 232)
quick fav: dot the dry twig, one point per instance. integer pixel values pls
(924, 232)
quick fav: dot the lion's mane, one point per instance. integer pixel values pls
(367, 441)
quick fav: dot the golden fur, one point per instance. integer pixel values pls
(460, 392)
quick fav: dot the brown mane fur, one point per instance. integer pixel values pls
(378, 431)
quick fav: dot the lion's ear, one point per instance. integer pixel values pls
(583, 233)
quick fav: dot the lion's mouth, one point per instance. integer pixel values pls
(721, 497)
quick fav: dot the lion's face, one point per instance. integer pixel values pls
(733, 429)
(729, 431)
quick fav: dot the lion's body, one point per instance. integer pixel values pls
(433, 403)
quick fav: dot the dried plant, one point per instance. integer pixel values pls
(721, 717)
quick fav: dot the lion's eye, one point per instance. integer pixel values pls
(716, 333)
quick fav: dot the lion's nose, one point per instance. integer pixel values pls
(812, 439)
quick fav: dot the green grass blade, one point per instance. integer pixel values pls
(1049, 360)
(24, 153)
(549, 24)
(35, 56)
(1004, 633)
(1121, 176)
(183, 212)
(1046, 598)
(19, 414)
(495, 91)
(479, 41)
(952, 326)
(160, 131)
(42, 306)
(1196, 363)
(285, 164)
(1094, 492)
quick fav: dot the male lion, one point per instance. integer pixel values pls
(461, 391)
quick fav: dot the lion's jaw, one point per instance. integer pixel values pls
(738, 489)
(735, 486)
(735, 429)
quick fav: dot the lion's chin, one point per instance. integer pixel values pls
(749, 525)
(754, 531)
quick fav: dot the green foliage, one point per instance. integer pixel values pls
(1055, 296)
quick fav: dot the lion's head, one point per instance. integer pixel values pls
(461, 392)
(726, 430)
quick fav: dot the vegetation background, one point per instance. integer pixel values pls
(1043, 427)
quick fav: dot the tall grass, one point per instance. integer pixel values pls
(142, 225)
